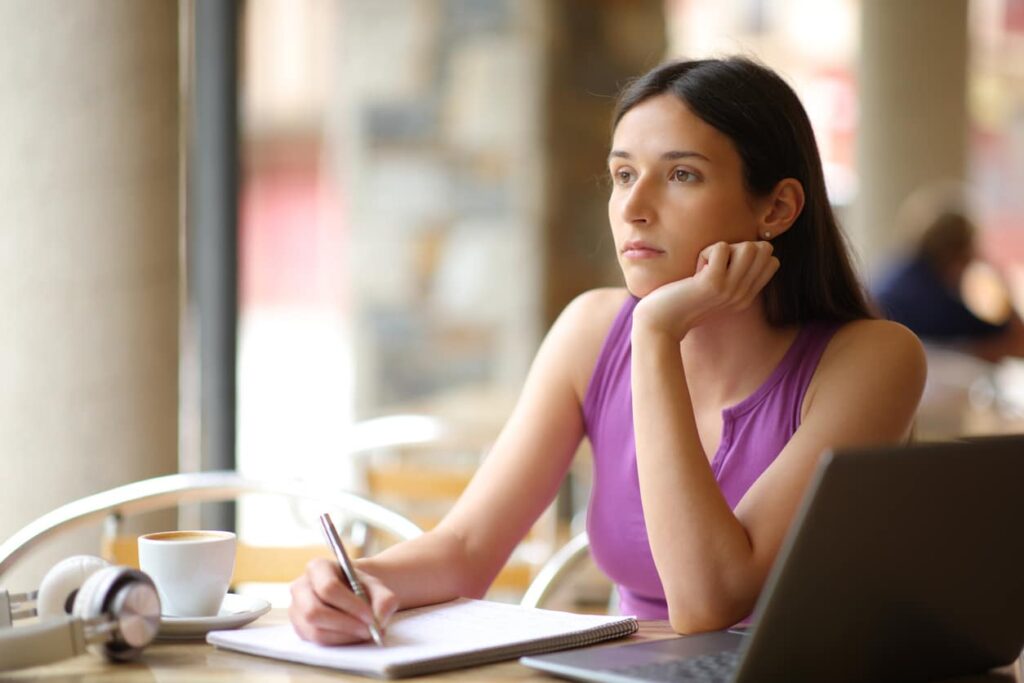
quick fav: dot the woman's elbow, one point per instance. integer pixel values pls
(689, 624)
(700, 618)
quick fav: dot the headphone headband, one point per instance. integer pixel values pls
(42, 643)
(11, 606)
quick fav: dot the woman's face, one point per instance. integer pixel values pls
(677, 187)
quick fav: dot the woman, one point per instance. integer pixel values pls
(740, 349)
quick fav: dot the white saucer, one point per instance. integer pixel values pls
(235, 611)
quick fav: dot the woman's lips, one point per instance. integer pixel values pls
(640, 250)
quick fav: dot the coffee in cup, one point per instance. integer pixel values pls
(191, 569)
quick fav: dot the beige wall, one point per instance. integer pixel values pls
(89, 243)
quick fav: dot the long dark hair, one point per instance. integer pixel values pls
(763, 117)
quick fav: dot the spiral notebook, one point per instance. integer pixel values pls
(423, 640)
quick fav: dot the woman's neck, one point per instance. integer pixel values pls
(726, 359)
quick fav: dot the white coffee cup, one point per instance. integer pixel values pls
(191, 569)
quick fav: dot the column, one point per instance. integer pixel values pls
(89, 256)
(594, 48)
(913, 111)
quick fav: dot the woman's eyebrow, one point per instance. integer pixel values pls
(667, 156)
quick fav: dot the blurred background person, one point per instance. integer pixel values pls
(943, 288)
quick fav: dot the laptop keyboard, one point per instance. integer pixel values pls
(716, 667)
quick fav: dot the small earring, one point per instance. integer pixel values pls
(767, 235)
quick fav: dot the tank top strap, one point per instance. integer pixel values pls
(803, 363)
(793, 373)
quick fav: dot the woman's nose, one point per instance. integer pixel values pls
(637, 207)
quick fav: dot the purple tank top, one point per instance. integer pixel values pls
(754, 431)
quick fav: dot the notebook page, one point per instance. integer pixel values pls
(421, 634)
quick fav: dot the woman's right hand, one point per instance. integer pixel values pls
(728, 277)
(324, 610)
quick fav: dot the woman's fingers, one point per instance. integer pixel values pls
(717, 257)
(742, 260)
(757, 261)
(384, 602)
(332, 589)
(326, 611)
(765, 275)
(736, 273)
(313, 620)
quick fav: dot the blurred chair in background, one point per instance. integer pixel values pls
(418, 465)
(571, 581)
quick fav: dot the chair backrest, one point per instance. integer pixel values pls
(258, 563)
(253, 563)
(556, 571)
(571, 581)
(419, 464)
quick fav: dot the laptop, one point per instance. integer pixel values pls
(903, 564)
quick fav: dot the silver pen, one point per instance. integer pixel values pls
(334, 541)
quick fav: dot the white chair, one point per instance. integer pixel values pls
(419, 464)
(253, 563)
(571, 581)
(555, 571)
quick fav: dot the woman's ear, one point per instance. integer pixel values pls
(781, 208)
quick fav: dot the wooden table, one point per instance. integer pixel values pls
(184, 662)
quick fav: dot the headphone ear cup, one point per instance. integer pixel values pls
(129, 598)
(59, 587)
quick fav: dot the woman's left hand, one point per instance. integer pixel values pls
(728, 278)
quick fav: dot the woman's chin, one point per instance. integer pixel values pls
(642, 286)
(638, 292)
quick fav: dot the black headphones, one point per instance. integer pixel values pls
(83, 603)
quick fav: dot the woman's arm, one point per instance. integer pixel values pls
(521, 474)
(515, 483)
(712, 562)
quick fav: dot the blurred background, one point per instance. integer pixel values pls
(322, 239)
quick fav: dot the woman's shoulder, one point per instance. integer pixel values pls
(603, 303)
(870, 367)
(867, 386)
(876, 336)
(582, 327)
(590, 315)
(873, 352)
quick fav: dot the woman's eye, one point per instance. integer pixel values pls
(622, 176)
(683, 176)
